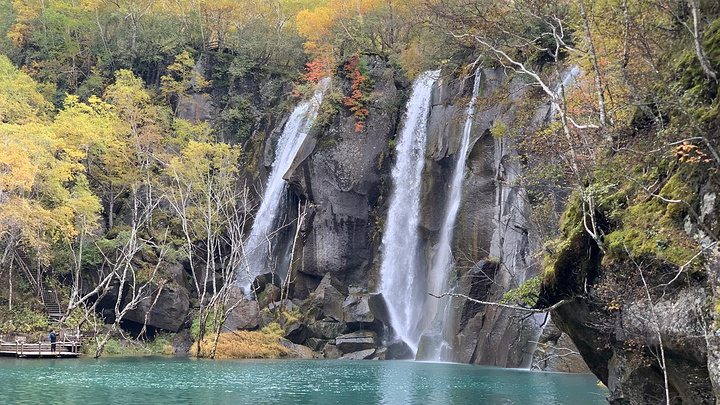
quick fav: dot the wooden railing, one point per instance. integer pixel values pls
(40, 349)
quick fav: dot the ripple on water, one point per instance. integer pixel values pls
(191, 381)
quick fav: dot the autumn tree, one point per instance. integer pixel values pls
(212, 210)
(90, 136)
(342, 28)
(181, 79)
(20, 99)
(142, 134)
(45, 194)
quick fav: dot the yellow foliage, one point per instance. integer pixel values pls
(317, 25)
(412, 59)
(43, 189)
(27, 11)
(242, 345)
(20, 101)
(17, 171)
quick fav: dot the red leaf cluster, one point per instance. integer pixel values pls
(357, 100)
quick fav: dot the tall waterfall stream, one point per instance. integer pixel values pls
(440, 311)
(403, 283)
(259, 244)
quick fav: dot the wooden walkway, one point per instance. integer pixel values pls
(42, 349)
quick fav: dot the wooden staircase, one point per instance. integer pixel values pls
(52, 306)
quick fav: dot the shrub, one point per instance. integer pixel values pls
(242, 345)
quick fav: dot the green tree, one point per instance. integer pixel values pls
(181, 79)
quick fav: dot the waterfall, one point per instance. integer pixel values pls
(438, 347)
(567, 80)
(402, 284)
(259, 244)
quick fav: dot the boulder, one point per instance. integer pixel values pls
(359, 355)
(261, 281)
(327, 300)
(365, 311)
(265, 318)
(270, 294)
(176, 272)
(106, 306)
(167, 312)
(181, 343)
(399, 351)
(299, 351)
(380, 354)
(327, 329)
(285, 305)
(330, 351)
(356, 341)
(316, 344)
(293, 328)
(245, 316)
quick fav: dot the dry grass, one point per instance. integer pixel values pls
(242, 345)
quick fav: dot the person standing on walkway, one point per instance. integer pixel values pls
(53, 338)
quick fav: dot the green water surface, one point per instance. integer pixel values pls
(160, 380)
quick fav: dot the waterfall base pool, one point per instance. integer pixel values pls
(158, 380)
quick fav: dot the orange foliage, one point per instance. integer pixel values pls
(357, 100)
(318, 25)
(687, 152)
(317, 69)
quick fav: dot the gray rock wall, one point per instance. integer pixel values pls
(493, 220)
(339, 174)
(622, 343)
(343, 174)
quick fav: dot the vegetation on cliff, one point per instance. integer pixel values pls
(118, 189)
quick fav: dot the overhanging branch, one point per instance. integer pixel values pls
(497, 304)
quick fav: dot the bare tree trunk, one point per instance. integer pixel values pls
(10, 284)
(123, 267)
(285, 291)
(147, 314)
(111, 211)
(697, 35)
(656, 326)
(596, 68)
(133, 40)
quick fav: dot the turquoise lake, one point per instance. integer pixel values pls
(160, 380)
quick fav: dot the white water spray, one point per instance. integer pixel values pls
(259, 245)
(567, 80)
(401, 286)
(442, 262)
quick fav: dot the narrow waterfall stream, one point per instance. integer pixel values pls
(567, 80)
(437, 337)
(259, 244)
(402, 271)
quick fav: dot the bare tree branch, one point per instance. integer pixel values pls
(497, 304)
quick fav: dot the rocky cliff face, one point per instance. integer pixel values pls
(343, 174)
(493, 241)
(639, 323)
(341, 178)
(339, 175)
